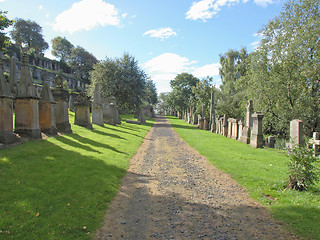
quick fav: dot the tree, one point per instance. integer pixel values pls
(182, 90)
(82, 63)
(151, 92)
(233, 67)
(29, 33)
(284, 73)
(61, 48)
(4, 23)
(121, 78)
(202, 95)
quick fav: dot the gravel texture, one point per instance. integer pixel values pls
(172, 192)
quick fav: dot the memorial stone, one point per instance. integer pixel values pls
(234, 134)
(82, 111)
(296, 133)
(230, 127)
(256, 139)
(97, 116)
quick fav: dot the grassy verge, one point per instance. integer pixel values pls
(263, 173)
(59, 188)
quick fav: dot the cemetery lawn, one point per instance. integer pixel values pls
(263, 173)
(59, 188)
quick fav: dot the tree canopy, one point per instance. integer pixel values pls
(4, 23)
(121, 78)
(29, 33)
(61, 48)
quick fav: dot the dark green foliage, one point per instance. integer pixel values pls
(4, 23)
(202, 95)
(61, 48)
(151, 96)
(29, 33)
(302, 171)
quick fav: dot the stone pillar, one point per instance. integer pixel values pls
(240, 127)
(26, 105)
(230, 127)
(246, 131)
(116, 115)
(256, 139)
(13, 76)
(205, 123)
(97, 116)
(234, 134)
(225, 126)
(82, 111)
(296, 133)
(6, 110)
(61, 96)
(47, 117)
(212, 113)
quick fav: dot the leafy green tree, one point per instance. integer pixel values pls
(4, 23)
(122, 78)
(151, 92)
(61, 48)
(233, 67)
(182, 90)
(202, 95)
(284, 75)
(29, 33)
(82, 63)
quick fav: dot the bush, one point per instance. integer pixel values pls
(302, 172)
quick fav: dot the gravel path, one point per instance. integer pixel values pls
(172, 192)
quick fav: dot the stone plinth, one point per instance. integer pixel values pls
(296, 133)
(256, 139)
(82, 111)
(97, 115)
(61, 96)
(26, 105)
(47, 118)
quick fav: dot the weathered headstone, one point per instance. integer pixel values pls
(234, 134)
(115, 111)
(82, 111)
(61, 96)
(225, 126)
(212, 114)
(205, 123)
(315, 141)
(256, 139)
(229, 127)
(240, 124)
(269, 141)
(97, 116)
(246, 130)
(26, 105)
(296, 133)
(47, 117)
(6, 110)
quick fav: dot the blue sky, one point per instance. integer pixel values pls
(167, 37)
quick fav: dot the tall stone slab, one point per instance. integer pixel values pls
(6, 110)
(97, 116)
(212, 114)
(47, 116)
(248, 123)
(230, 127)
(235, 129)
(256, 139)
(61, 96)
(296, 133)
(240, 127)
(116, 114)
(225, 126)
(27, 105)
(82, 111)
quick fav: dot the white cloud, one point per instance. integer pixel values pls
(2, 0)
(85, 15)
(206, 9)
(207, 70)
(263, 3)
(161, 33)
(40, 7)
(165, 67)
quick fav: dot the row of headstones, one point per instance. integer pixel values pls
(48, 112)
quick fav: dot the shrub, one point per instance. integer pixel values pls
(302, 172)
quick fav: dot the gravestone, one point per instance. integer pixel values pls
(269, 141)
(6, 110)
(225, 126)
(256, 139)
(61, 96)
(230, 127)
(212, 113)
(27, 105)
(82, 111)
(234, 134)
(47, 117)
(296, 133)
(13, 76)
(246, 130)
(240, 127)
(115, 111)
(205, 123)
(97, 116)
(315, 141)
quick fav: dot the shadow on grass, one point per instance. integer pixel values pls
(94, 143)
(107, 134)
(118, 130)
(74, 144)
(56, 193)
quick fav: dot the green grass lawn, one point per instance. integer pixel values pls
(263, 172)
(59, 188)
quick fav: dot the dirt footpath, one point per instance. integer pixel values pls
(172, 192)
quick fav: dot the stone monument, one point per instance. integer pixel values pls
(296, 133)
(27, 105)
(256, 139)
(97, 116)
(82, 111)
(246, 131)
